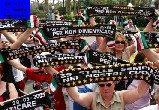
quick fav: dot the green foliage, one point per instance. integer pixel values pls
(68, 17)
(39, 13)
(62, 10)
(108, 18)
(97, 19)
(139, 21)
(41, 7)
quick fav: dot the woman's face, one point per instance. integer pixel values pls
(106, 88)
(119, 44)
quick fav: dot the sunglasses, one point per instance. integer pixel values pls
(130, 22)
(103, 85)
(118, 42)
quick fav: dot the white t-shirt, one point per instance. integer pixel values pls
(18, 75)
(151, 107)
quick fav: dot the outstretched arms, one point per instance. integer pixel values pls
(130, 96)
(84, 99)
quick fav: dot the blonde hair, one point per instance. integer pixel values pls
(117, 35)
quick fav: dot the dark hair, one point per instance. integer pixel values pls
(140, 57)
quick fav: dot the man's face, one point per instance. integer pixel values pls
(130, 23)
(106, 88)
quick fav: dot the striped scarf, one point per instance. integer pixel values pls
(84, 47)
(53, 85)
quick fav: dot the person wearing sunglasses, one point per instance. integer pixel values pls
(131, 26)
(107, 98)
(132, 84)
(120, 50)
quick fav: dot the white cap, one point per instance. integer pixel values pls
(3, 38)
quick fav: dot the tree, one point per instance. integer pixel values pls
(68, 6)
(46, 6)
(74, 6)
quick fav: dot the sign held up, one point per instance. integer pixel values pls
(104, 10)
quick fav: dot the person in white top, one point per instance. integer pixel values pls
(131, 26)
(156, 97)
(132, 84)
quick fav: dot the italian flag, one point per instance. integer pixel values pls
(86, 59)
(135, 42)
(53, 85)
(141, 41)
(111, 42)
(41, 36)
(32, 22)
(84, 46)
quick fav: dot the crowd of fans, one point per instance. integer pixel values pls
(111, 95)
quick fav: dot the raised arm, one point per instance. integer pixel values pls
(149, 53)
(84, 99)
(130, 96)
(103, 46)
(50, 70)
(12, 90)
(17, 65)
(21, 39)
(8, 36)
(93, 23)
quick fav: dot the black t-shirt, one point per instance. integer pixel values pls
(8, 74)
